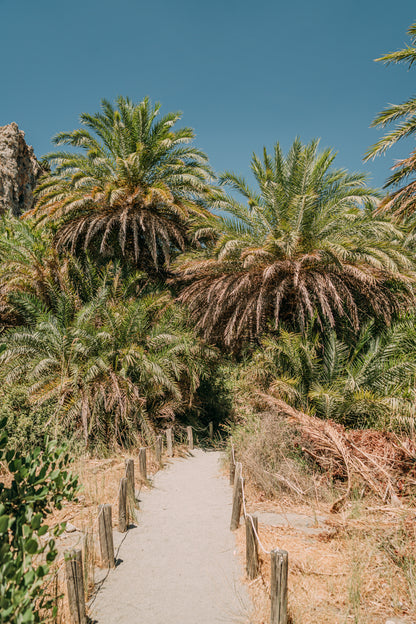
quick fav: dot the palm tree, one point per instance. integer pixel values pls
(370, 383)
(299, 247)
(28, 263)
(113, 369)
(402, 201)
(132, 188)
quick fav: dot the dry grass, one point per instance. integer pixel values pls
(360, 569)
(270, 449)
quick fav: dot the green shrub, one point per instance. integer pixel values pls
(26, 424)
(39, 482)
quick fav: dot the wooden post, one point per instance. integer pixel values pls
(252, 557)
(237, 498)
(169, 443)
(130, 478)
(143, 464)
(123, 519)
(88, 561)
(56, 599)
(278, 586)
(159, 449)
(132, 502)
(190, 438)
(211, 430)
(232, 466)
(232, 473)
(75, 586)
(105, 531)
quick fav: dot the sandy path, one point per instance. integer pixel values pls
(179, 564)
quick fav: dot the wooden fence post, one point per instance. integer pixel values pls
(237, 498)
(252, 557)
(130, 477)
(123, 519)
(75, 586)
(211, 430)
(159, 449)
(143, 464)
(190, 438)
(169, 444)
(105, 532)
(232, 467)
(278, 586)
(88, 561)
(56, 597)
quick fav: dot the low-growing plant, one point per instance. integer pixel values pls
(27, 424)
(270, 450)
(36, 482)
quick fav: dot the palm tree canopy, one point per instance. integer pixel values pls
(300, 246)
(131, 188)
(115, 366)
(405, 113)
(402, 201)
(370, 382)
(28, 263)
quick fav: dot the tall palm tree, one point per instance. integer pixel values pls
(402, 201)
(299, 247)
(131, 189)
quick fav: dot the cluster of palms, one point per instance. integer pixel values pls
(138, 269)
(105, 348)
(370, 382)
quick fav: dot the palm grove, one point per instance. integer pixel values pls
(143, 288)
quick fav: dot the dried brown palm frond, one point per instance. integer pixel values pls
(144, 231)
(302, 248)
(132, 190)
(371, 457)
(240, 305)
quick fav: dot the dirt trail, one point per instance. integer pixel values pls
(179, 564)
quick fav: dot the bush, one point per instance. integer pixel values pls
(270, 449)
(26, 424)
(38, 482)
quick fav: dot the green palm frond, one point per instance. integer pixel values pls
(307, 245)
(370, 383)
(114, 364)
(131, 190)
(402, 202)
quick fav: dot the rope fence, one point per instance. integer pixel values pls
(278, 557)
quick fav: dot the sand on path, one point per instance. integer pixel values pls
(179, 564)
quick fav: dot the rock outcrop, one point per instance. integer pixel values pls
(19, 171)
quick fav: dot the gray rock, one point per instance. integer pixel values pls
(312, 525)
(19, 171)
(70, 528)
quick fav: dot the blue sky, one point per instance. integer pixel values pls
(245, 74)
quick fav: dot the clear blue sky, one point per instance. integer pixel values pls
(244, 73)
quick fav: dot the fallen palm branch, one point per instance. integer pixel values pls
(382, 461)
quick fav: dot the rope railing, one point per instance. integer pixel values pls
(246, 515)
(278, 558)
